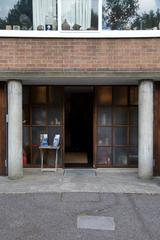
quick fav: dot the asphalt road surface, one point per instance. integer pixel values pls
(53, 216)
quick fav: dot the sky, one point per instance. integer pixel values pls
(147, 5)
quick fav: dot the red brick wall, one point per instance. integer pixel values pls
(79, 54)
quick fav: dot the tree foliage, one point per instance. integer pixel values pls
(147, 20)
(118, 12)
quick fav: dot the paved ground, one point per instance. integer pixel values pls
(53, 216)
(113, 181)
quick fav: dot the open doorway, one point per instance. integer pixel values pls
(78, 127)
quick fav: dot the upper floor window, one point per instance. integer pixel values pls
(79, 15)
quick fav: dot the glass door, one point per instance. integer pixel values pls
(116, 126)
(42, 114)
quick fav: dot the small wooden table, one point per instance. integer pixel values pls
(42, 150)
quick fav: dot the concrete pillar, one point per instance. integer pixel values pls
(15, 165)
(145, 144)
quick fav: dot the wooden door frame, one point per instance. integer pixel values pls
(3, 136)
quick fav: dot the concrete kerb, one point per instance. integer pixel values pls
(105, 181)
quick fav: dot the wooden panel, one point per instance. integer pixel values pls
(157, 130)
(2, 130)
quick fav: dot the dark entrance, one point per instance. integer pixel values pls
(78, 127)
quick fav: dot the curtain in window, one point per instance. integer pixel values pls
(77, 12)
(43, 10)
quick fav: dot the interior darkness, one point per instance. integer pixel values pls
(79, 125)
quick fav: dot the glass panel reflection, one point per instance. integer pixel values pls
(36, 158)
(104, 156)
(133, 135)
(105, 116)
(121, 116)
(120, 156)
(121, 134)
(134, 116)
(104, 136)
(54, 116)
(39, 115)
(16, 14)
(131, 15)
(26, 115)
(133, 156)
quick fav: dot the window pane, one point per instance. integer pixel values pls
(26, 146)
(45, 15)
(26, 115)
(39, 116)
(26, 95)
(122, 15)
(104, 95)
(133, 156)
(134, 116)
(51, 133)
(121, 116)
(16, 15)
(120, 95)
(80, 15)
(104, 156)
(120, 135)
(104, 136)
(36, 158)
(56, 96)
(120, 156)
(133, 135)
(36, 131)
(133, 96)
(105, 116)
(54, 116)
(39, 94)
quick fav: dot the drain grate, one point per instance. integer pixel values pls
(79, 172)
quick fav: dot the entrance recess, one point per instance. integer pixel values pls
(78, 127)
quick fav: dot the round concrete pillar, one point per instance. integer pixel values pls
(145, 141)
(15, 165)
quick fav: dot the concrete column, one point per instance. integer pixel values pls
(145, 164)
(15, 165)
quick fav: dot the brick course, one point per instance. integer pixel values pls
(18, 54)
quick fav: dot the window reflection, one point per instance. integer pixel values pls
(79, 14)
(16, 15)
(131, 15)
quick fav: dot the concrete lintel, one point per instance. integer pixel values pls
(36, 75)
